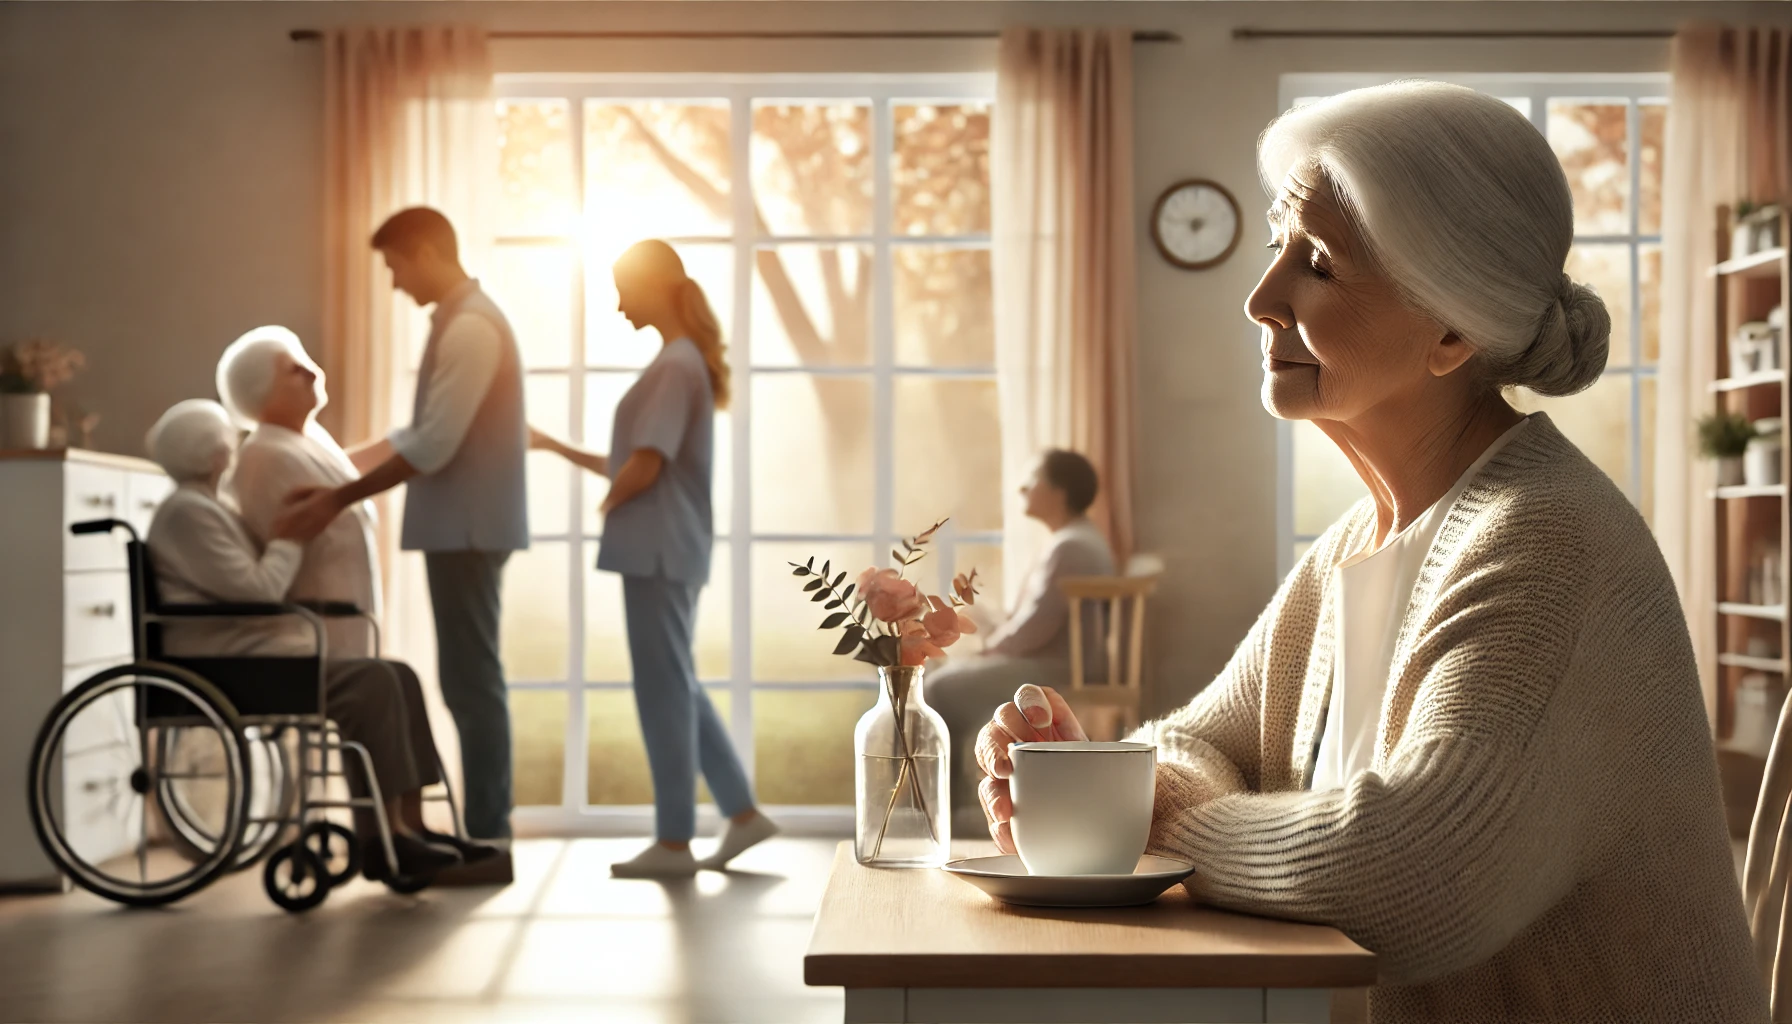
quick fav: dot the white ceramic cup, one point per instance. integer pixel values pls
(1082, 808)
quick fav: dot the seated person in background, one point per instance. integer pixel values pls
(273, 390)
(1033, 645)
(203, 554)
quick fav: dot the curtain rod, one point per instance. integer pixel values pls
(1303, 33)
(305, 35)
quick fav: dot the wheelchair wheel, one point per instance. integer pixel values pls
(191, 785)
(295, 879)
(336, 849)
(94, 768)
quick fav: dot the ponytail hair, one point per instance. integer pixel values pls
(706, 333)
(653, 261)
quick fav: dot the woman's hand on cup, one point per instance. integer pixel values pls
(1036, 714)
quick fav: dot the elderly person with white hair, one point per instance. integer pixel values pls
(274, 390)
(1467, 731)
(203, 554)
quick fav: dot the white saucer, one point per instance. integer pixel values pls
(1006, 879)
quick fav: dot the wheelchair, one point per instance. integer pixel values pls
(151, 780)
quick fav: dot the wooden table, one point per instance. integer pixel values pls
(923, 946)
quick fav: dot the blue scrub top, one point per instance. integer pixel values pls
(667, 530)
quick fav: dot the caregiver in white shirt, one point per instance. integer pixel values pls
(274, 390)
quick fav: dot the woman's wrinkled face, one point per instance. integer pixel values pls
(1337, 338)
(294, 393)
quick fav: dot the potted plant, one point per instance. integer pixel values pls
(1724, 436)
(29, 371)
(902, 754)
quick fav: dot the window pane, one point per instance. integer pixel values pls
(812, 454)
(611, 341)
(1522, 104)
(788, 645)
(534, 628)
(549, 476)
(655, 169)
(1590, 137)
(802, 744)
(941, 168)
(606, 637)
(1607, 269)
(615, 758)
(944, 311)
(603, 391)
(1646, 426)
(1325, 484)
(1649, 284)
(1597, 420)
(949, 459)
(534, 168)
(538, 746)
(533, 285)
(1654, 131)
(987, 560)
(812, 306)
(812, 166)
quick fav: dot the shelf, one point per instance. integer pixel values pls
(1753, 380)
(1764, 491)
(1760, 264)
(1753, 611)
(1750, 661)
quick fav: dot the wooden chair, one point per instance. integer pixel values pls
(1766, 872)
(1110, 708)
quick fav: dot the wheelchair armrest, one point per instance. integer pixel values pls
(332, 609)
(223, 611)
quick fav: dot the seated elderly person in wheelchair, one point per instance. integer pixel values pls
(202, 553)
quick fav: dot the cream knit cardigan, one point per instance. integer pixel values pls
(1540, 836)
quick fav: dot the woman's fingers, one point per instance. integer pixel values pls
(1011, 719)
(1003, 834)
(997, 805)
(992, 751)
(1035, 706)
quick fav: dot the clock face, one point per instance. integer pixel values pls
(1195, 224)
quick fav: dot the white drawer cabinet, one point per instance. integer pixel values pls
(65, 613)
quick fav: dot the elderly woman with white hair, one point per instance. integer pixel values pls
(204, 554)
(1467, 730)
(274, 390)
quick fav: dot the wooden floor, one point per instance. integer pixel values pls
(565, 942)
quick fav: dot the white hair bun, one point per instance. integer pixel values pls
(1570, 349)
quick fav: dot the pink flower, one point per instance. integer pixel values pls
(945, 625)
(890, 597)
(918, 645)
(966, 587)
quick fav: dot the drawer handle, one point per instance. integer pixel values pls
(103, 611)
(101, 501)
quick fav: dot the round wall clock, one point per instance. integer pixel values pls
(1195, 224)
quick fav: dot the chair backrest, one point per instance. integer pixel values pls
(1123, 600)
(1766, 872)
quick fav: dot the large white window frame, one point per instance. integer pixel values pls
(1539, 89)
(574, 815)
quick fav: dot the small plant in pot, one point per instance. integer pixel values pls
(29, 371)
(1724, 436)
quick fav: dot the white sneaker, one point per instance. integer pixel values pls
(657, 862)
(738, 839)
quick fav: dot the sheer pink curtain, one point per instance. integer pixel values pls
(1727, 135)
(1064, 265)
(409, 119)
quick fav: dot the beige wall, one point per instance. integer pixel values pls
(159, 193)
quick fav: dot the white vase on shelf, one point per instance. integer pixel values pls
(1730, 472)
(25, 421)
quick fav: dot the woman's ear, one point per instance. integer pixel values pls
(1448, 354)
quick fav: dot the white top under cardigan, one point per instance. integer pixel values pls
(340, 563)
(1374, 588)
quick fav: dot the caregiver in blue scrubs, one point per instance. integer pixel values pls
(658, 530)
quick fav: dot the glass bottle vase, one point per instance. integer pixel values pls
(903, 802)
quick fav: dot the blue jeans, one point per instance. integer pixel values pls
(464, 589)
(678, 723)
